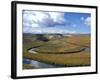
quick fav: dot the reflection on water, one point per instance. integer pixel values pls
(26, 61)
(38, 64)
(87, 49)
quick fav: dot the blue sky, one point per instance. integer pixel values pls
(56, 22)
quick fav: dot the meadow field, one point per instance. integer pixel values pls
(58, 50)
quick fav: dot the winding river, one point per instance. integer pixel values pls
(38, 64)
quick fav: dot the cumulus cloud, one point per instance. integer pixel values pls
(88, 21)
(44, 22)
(43, 19)
(48, 30)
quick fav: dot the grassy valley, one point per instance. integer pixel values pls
(66, 50)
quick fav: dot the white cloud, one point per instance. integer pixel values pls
(44, 22)
(88, 21)
(40, 30)
(57, 17)
(41, 19)
(72, 32)
(82, 18)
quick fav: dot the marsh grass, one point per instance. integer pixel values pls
(65, 52)
(81, 58)
(28, 66)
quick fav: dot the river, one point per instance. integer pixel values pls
(38, 64)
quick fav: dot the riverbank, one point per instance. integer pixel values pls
(64, 52)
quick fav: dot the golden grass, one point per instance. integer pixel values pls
(74, 59)
(27, 66)
(66, 44)
(62, 45)
(79, 40)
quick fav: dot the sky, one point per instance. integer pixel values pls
(40, 22)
